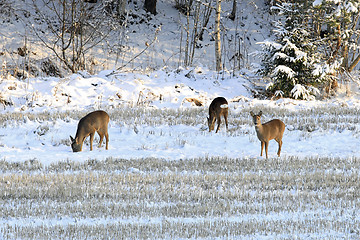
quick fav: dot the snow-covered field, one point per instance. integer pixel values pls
(151, 116)
(165, 175)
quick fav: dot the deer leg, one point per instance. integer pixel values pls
(280, 144)
(226, 121)
(211, 127)
(101, 135)
(262, 147)
(218, 121)
(91, 140)
(107, 140)
(266, 149)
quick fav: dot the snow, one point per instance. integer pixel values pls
(299, 90)
(44, 141)
(154, 83)
(317, 2)
(285, 70)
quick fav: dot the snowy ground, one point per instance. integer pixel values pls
(149, 97)
(48, 142)
(164, 175)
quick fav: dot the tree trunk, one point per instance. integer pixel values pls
(150, 6)
(354, 63)
(233, 12)
(207, 15)
(218, 36)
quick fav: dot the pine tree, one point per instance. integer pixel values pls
(315, 43)
(291, 60)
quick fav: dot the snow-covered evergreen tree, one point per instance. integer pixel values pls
(291, 60)
(316, 40)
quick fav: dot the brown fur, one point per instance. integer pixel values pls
(96, 121)
(273, 129)
(216, 111)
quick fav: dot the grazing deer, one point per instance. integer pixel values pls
(218, 107)
(93, 122)
(273, 129)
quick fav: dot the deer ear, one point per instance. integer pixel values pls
(260, 113)
(251, 113)
(71, 138)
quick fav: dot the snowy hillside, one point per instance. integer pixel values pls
(252, 25)
(161, 89)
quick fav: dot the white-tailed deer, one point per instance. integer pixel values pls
(218, 107)
(273, 129)
(93, 122)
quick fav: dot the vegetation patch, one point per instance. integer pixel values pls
(189, 198)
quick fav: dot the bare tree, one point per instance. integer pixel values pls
(197, 20)
(72, 30)
(206, 17)
(218, 35)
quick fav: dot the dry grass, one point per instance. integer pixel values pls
(286, 198)
(193, 198)
(307, 120)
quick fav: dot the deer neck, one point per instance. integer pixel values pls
(80, 135)
(259, 128)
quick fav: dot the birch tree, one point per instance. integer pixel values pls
(218, 35)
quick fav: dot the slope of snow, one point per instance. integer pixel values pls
(252, 24)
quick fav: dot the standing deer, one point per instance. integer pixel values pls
(273, 129)
(218, 107)
(93, 122)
